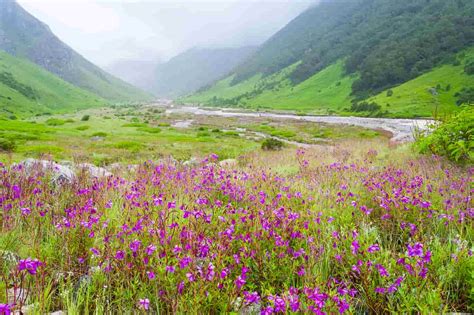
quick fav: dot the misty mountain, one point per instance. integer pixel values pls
(140, 73)
(196, 68)
(22, 35)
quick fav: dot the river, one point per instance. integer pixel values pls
(402, 130)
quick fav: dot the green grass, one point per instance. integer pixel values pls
(50, 93)
(414, 98)
(118, 141)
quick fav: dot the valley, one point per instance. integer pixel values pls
(236, 157)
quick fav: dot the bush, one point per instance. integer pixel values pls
(365, 107)
(453, 138)
(55, 122)
(389, 93)
(271, 144)
(85, 118)
(469, 68)
(465, 96)
(99, 134)
(82, 128)
(7, 145)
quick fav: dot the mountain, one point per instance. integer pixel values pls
(27, 89)
(338, 55)
(140, 73)
(196, 68)
(22, 35)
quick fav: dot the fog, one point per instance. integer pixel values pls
(108, 31)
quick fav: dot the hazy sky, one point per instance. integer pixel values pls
(105, 31)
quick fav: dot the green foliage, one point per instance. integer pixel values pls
(7, 145)
(465, 96)
(271, 144)
(469, 68)
(453, 138)
(85, 118)
(55, 122)
(82, 128)
(100, 134)
(365, 107)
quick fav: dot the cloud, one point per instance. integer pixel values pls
(105, 31)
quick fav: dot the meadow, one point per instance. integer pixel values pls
(135, 133)
(356, 227)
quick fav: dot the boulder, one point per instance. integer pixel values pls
(229, 163)
(61, 174)
(191, 162)
(93, 170)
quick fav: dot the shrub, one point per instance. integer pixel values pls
(82, 128)
(271, 144)
(85, 118)
(55, 122)
(453, 138)
(7, 145)
(365, 107)
(469, 68)
(389, 93)
(99, 134)
(465, 96)
(150, 129)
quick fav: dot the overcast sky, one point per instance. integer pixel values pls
(106, 31)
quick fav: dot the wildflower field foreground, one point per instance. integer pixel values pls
(339, 232)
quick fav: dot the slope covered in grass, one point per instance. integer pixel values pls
(27, 89)
(433, 93)
(327, 91)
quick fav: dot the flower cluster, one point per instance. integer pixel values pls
(332, 238)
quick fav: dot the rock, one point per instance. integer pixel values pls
(9, 257)
(61, 174)
(58, 313)
(93, 170)
(229, 163)
(17, 295)
(97, 138)
(191, 162)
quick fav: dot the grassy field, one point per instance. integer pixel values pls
(135, 133)
(329, 92)
(26, 89)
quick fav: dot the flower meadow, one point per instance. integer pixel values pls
(338, 237)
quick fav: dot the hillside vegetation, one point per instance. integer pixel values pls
(373, 45)
(27, 89)
(22, 35)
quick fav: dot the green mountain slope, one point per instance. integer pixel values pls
(338, 52)
(328, 91)
(196, 68)
(22, 35)
(431, 93)
(27, 89)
